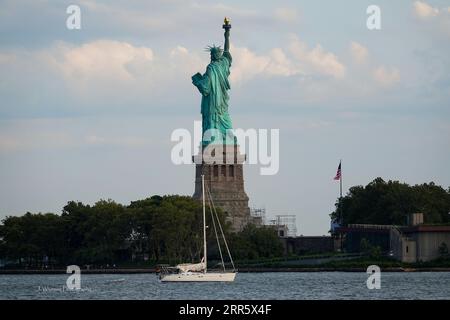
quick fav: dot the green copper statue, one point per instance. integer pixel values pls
(213, 85)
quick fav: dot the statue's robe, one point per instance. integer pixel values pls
(213, 85)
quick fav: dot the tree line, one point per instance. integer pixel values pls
(381, 202)
(166, 229)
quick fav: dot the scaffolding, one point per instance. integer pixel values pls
(259, 213)
(287, 222)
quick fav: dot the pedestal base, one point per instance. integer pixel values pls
(224, 178)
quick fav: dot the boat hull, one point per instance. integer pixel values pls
(199, 277)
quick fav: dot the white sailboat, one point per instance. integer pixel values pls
(198, 272)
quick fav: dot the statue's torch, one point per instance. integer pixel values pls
(226, 24)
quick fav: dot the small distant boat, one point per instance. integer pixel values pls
(116, 280)
(198, 272)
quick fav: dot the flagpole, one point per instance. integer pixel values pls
(341, 242)
(340, 198)
(341, 178)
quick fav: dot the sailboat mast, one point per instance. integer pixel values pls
(204, 222)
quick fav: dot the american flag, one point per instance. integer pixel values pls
(338, 173)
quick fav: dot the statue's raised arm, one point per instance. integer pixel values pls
(227, 27)
(226, 47)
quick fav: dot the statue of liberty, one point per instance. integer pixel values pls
(213, 85)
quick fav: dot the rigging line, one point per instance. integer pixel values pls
(221, 230)
(215, 229)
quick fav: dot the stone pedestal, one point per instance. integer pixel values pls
(222, 166)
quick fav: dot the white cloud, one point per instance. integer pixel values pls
(102, 60)
(223, 10)
(359, 52)
(181, 60)
(179, 51)
(424, 11)
(288, 15)
(326, 62)
(105, 75)
(6, 58)
(8, 144)
(105, 70)
(247, 64)
(111, 76)
(316, 60)
(41, 133)
(93, 139)
(280, 64)
(302, 61)
(136, 19)
(438, 19)
(116, 141)
(386, 77)
(45, 138)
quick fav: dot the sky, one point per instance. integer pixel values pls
(88, 114)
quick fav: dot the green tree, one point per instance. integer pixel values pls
(104, 233)
(390, 202)
(255, 242)
(166, 229)
(32, 239)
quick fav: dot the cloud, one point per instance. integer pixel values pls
(424, 11)
(17, 140)
(101, 60)
(111, 77)
(288, 15)
(36, 134)
(280, 65)
(325, 62)
(116, 141)
(316, 60)
(386, 77)
(8, 144)
(358, 52)
(247, 64)
(93, 139)
(296, 59)
(96, 76)
(437, 19)
(106, 67)
(7, 58)
(141, 17)
(222, 10)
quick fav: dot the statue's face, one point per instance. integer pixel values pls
(215, 55)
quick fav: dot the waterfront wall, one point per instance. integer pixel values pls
(307, 244)
(428, 243)
(418, 243)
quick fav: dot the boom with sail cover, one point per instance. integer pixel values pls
(193, 267)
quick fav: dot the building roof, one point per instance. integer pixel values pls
(425, 228)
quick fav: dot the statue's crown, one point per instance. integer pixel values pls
(213, 49)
